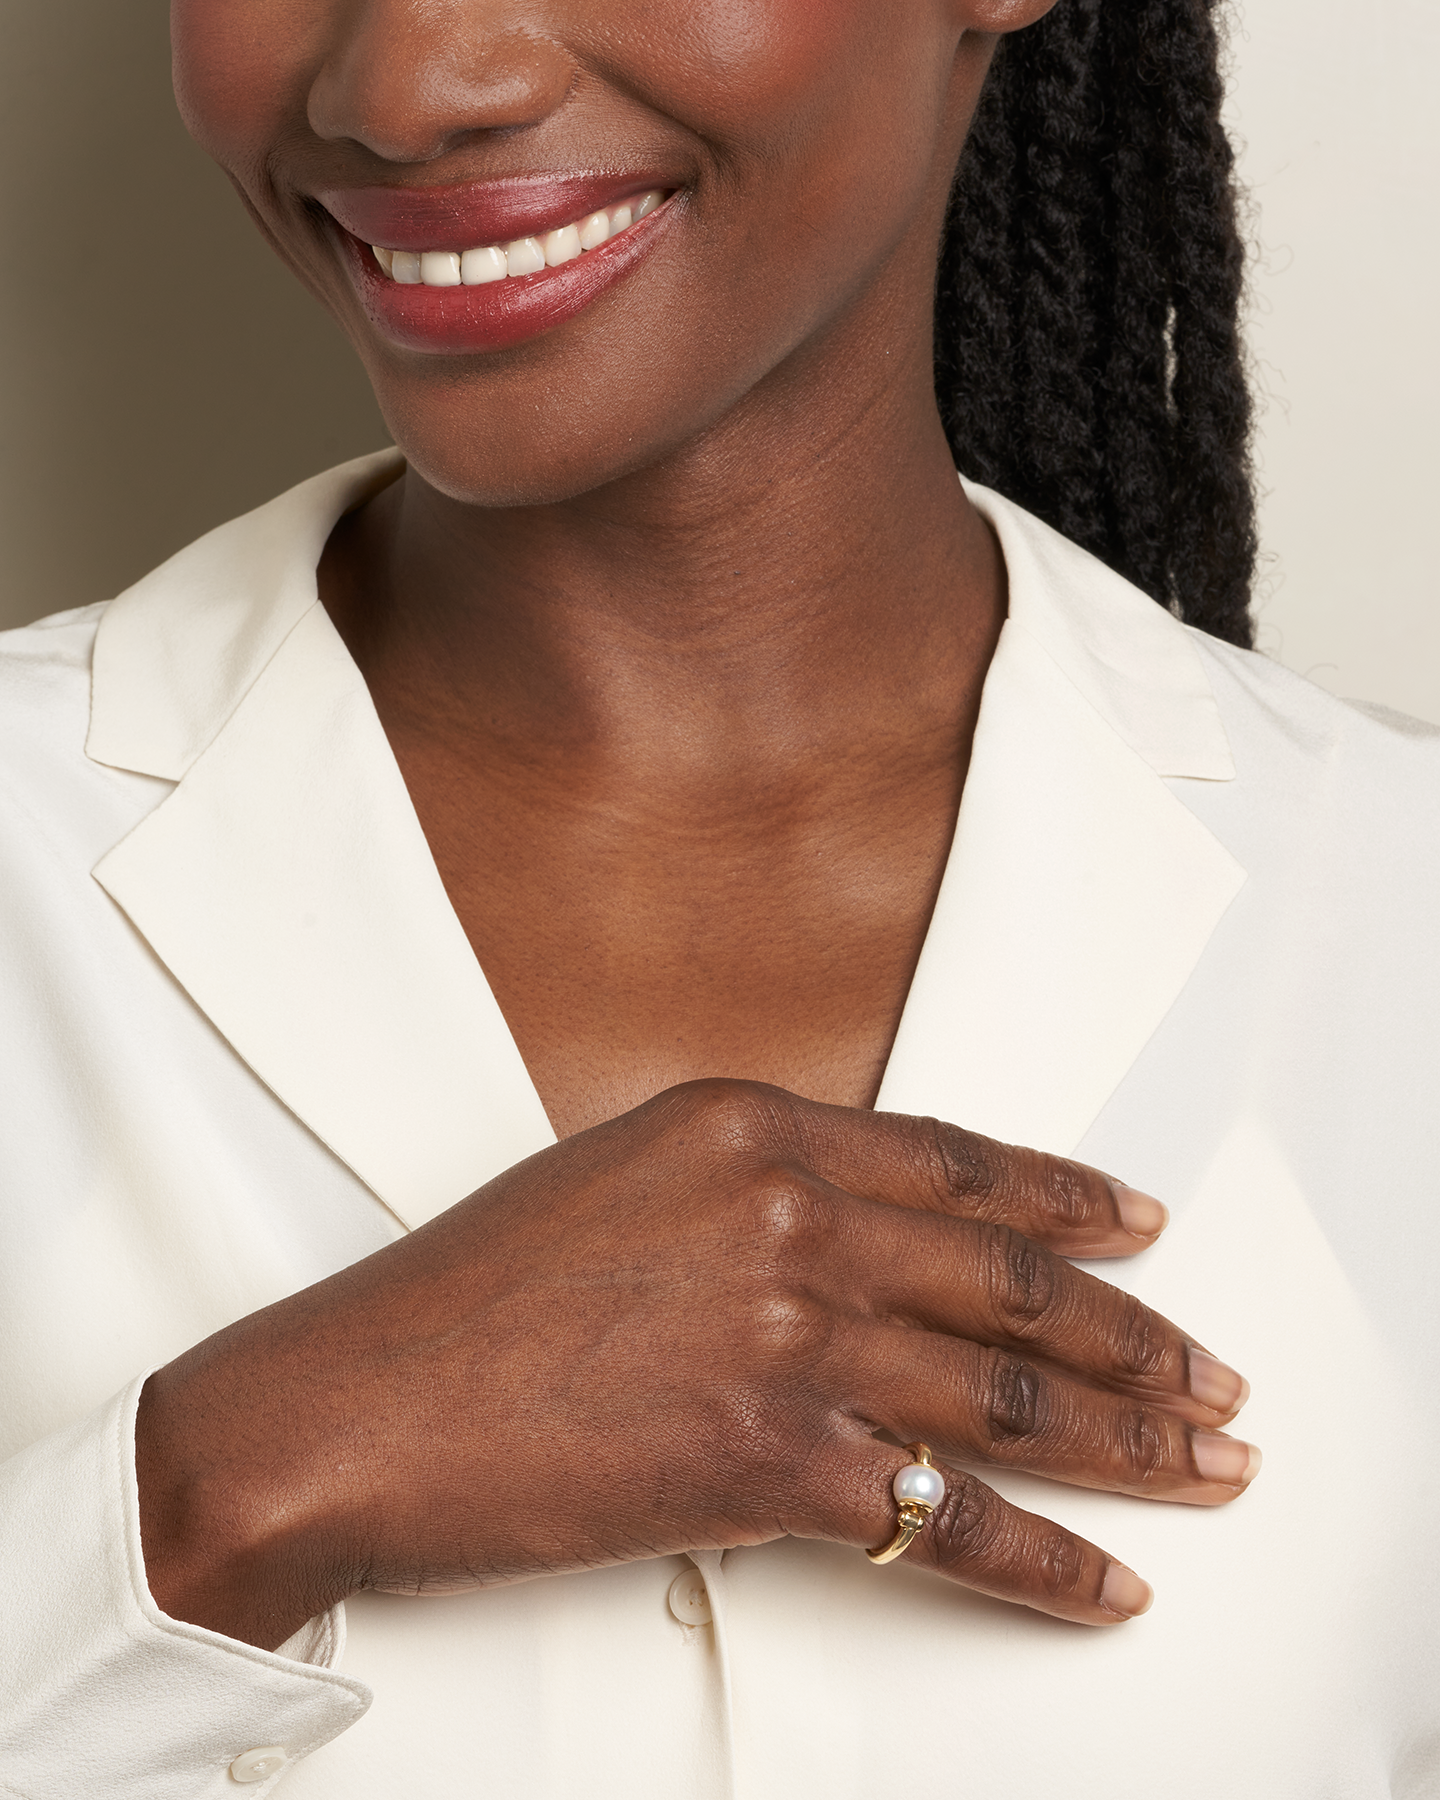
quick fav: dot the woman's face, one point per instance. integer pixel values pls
(796, 156)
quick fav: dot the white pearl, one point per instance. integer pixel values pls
(916, 1482)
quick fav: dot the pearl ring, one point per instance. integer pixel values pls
(919, 1488)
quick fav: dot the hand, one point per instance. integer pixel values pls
(681, 1329)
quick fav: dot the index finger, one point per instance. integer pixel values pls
(938, 1167)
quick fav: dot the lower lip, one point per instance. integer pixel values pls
(459, 320)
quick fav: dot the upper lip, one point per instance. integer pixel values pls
(466, 214)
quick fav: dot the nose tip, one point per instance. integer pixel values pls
(409, 88)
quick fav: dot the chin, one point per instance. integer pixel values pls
(469, 464)
(517, 438)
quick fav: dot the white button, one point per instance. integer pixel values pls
(258, 1765)
(688, 1599)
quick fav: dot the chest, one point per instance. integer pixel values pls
(637, 937)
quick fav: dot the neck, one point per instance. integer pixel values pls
(804, 576)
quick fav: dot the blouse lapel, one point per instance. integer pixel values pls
(286, 884)
(1080, 890)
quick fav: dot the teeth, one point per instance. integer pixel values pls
(439, 268)
(526, 256)
(561, 246)
(480, 266)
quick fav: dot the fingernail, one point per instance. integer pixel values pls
(1214, 1383)
(1140, 1214)
(1227, 1459)
(1125, 1593)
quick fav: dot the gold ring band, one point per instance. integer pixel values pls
(919, 1488)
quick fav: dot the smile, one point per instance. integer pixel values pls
(483, 266)
(522, 256)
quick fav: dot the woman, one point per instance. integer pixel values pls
(647, 682)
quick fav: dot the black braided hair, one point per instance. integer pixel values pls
(1088, 357)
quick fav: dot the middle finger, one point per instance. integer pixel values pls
(989, 1284)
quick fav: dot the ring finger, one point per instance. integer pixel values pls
(975, 1401)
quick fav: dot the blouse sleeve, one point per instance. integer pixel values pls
(101, 1692)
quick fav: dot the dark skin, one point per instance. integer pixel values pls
(660, 678)
(758, 872)
(677, 624)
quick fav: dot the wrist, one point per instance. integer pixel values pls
(226, 1544)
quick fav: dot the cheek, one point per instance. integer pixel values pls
(828, 106)
(767, 48)
(745, 64)
(241, 67)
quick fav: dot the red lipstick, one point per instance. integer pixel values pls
(498, 314)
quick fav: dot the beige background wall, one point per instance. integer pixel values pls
(159, 371)
(158, 374)
(1335, 107)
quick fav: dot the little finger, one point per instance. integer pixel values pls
(978, 1539)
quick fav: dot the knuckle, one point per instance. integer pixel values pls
(1013, 1406)
(1022, 1278)
(1143, 1444)
(1061, 1567)
(1144, 1349)
(963, 1525)
(1067, 1192)
(733, 1116)
(785, 1218)
(773, 1342)
(963, 1163)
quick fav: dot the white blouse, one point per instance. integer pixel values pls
(1187, 932)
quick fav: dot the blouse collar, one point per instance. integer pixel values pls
(286, 884)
